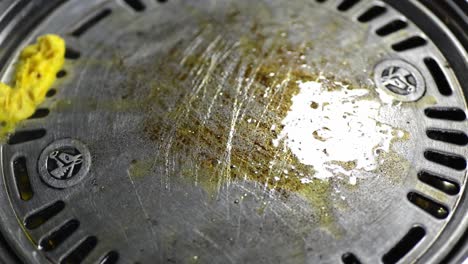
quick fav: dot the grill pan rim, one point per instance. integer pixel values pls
(450, 16)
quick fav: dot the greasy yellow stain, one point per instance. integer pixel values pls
(36, 72)
(139, 168)
(253, 158)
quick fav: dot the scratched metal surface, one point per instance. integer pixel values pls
(173, 104)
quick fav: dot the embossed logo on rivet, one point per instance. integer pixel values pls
(399, 79)
(64, 163)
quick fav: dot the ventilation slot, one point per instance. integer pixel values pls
(350, 258)
(406, 244)
(440, 183)
(51, 93)
(371, 14)
(91, 22)
(23, 185)
(391, 27)
(72, 54)
(347, 4)
(136, 5)
(110, 258)
(446, 113)
(410, 43)
(40, 113)
(431, 207)
(56, 238)
(81, 251)
(446, 159)
(26, 136)
(439, 76)
(449, 136)
(40, 217)
(161, 1)
(321, 1)
(61, 74)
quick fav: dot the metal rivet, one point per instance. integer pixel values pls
(400, 80)
(64, 163)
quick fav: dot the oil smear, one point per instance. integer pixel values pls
(335, 129)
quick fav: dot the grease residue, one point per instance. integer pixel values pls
(140, 168)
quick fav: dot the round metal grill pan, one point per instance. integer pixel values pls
(159, 141)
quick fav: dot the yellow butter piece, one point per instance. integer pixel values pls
(36, 72)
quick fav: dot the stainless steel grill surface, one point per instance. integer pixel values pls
(238, 132)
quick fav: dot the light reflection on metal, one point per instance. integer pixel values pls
(337, 131)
